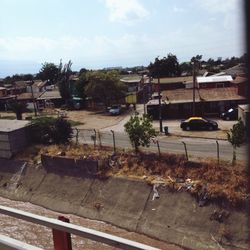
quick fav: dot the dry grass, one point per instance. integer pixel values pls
(222, 182)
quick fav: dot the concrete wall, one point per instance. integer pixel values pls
(175, 217)
(12, 142)
(5, 151)
(69, 166)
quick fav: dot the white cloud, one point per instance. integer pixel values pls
(128, 49)
(219, 5)
(229, 12)
(178, 9)
(125, 11)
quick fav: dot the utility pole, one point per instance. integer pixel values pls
(159, 95)
(33, 99)
(143, 93)
(194, 85)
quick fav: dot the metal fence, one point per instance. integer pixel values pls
(192, 149)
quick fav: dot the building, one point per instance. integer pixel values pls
(214, 81)
(49, 99)
(36, 86)
(13, 137)
(243, 113)
(168, 83)
(208, 101)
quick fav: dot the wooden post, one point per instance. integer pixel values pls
(218, 153)
(113, 133)
(158, 146)
(185, 147)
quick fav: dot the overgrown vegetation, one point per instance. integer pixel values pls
(49, 130)
(222, 183)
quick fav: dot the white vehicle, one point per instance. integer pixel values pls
(115, 110)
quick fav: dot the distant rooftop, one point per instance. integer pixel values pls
(173, 79)
(210, 79)
(12, 125)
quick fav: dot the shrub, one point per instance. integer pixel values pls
(49, 130)
(140, 131)
(62, 131)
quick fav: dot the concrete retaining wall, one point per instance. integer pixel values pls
(174, 217)
(69, 166)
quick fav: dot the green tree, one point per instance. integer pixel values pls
(81, 85)
(104, 87)
(165, 67)
(236, 136)
(140, 130)
(18, 108)
(196, 59)
(186, 67)
(63, 81)
(49, 72)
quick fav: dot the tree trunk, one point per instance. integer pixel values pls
(19, 116)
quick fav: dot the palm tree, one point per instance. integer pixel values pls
(18, 108)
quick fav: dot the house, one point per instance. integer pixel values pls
(3, 92)
(243, 113)
(168, 83)
(49, 99)
(28, 98)
(139, 88)
(18, 87)
(36, 86)
(132, 82)
(4, 98)
(214, 81)
(238, 70)
(241, 83)
(208, 101)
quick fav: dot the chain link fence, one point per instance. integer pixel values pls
(192, 149)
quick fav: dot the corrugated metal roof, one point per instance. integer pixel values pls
(211, 94)
(213, 79)
(169, 80)
(50, 95)
(11, 125)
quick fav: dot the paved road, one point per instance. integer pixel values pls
(196, 147)
(201, 144)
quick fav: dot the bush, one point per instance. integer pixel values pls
(49, 130)
(140, 131)
(62, 132)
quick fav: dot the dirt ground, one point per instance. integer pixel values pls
(89, 119)
(101, 120)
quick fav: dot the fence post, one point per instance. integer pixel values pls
(158, 146)
(93, 137)
(113, 133)
(185, 147)
(99, 138)
(62, 240)
(218, 153)
(77, 135)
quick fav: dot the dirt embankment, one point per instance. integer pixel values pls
(157, 211)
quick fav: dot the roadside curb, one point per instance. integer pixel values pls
(189, 136)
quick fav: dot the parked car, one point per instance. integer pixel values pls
(198, 123)
(115, 110)
(231, 114)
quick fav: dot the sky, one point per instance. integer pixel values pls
(95, 34)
